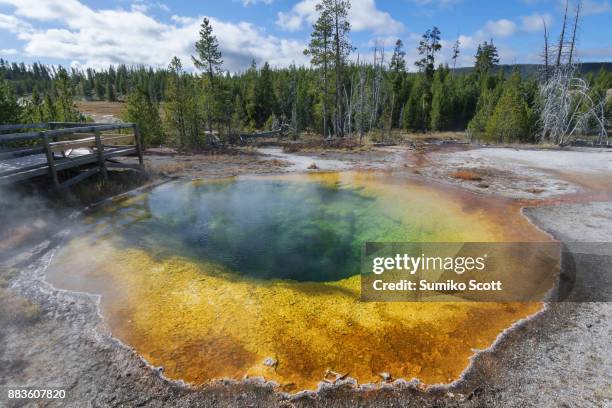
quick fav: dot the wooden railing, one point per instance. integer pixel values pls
(62, 138)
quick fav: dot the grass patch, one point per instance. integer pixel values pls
(95, 188)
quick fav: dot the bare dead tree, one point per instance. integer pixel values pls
(379, 58)
(562, 36)
(546, 51)
(567, 107)
(575, 29)
(349, 103)
(362, 81)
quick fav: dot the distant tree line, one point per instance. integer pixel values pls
(337, 96)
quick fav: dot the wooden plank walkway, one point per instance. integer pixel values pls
(28, 152)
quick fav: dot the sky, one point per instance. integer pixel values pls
(93, 33)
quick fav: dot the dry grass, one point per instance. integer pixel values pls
(313, 144)
(436, 136)
(94, 189)
(101, 108)
(466, 175)
(170, 168)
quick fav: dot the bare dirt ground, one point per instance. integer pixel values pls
(57, 339)
(521, 173)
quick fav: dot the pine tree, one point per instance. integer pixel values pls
(428, 47)
(486, 58)
(341, 49)
(175, 106)
(34, 109)
(49, 110)
(476, 128)
(320, 52)
(110, 92)
(510, 121)
(441, 104)
(10, 111)
(261, 100)
(397, 70)
(209, 58)
(66, 110)
(99, 88)
(456, 52)
(414, 116)
(239, 116)
(398, 60)
(141, 110)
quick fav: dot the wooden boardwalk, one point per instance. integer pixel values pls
(41, 149)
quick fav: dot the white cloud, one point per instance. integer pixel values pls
(438, 3)
(145, 5)
(500, 28)
(534, 22)
(252, 2)
(13, 24)
(590, 7)
(363, 15)
(102, 37)
(491, 31)
(8, 51)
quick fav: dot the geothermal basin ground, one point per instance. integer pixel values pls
(118, 308)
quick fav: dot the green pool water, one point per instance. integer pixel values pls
(303, 231)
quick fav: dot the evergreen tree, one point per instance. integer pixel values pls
(239, 116)
(110, 92)
(65, 108)
(320, 52)
(428, 47)
(175, 106)
(456, 52)
(486, 58)
(261, 100)
(414, 115)
(10, 110)
(486, 105)
(397, 70)
(99, 88)
(398, 60)
(441, 105)
(510, 121)
(341, 49)
(49, 111)
(34, 109)
(209, 58)
(140, 109)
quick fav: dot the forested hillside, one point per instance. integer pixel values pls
(339, 95)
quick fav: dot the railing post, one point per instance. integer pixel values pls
(101, 159)
(138, 141)
(50, 160)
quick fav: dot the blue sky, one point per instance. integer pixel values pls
(98, 33)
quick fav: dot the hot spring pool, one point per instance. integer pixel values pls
(208, 279)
